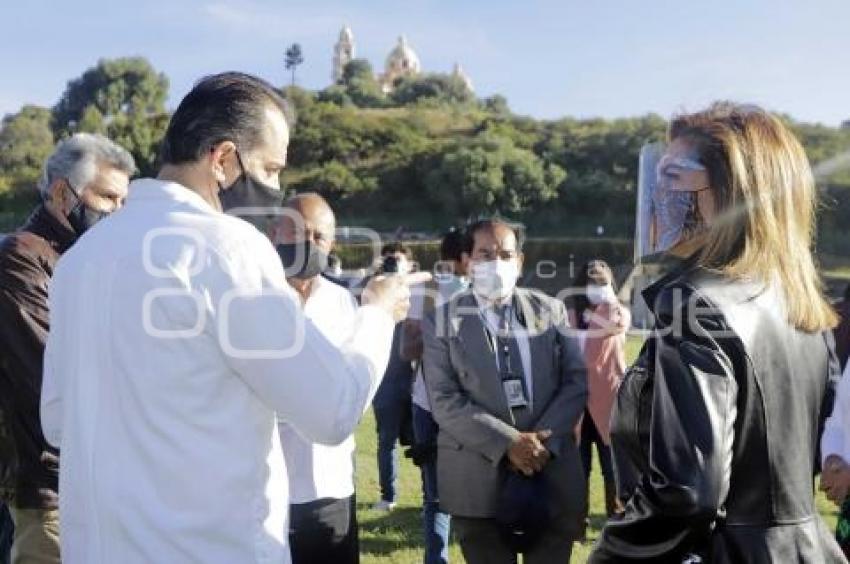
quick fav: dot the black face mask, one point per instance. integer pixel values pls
(249, 192)
(302, 260)
(81, 217)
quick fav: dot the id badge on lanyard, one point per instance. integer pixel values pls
(513, 384)
(514, 391)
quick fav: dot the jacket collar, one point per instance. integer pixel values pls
(675, 267)
(44, 223)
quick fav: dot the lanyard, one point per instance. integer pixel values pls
(499, 344)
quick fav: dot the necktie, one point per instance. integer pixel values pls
(510, 359)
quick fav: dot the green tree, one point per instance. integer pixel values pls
(356, 70)
(497, 104)
(492, 175)
(26, 141)
(360, 85)
(335, 181)
(441, 87)
(121, 98)
(294, 57)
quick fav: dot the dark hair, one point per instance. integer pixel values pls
(396, 247)
(455, 242)
(223, 107)
(583, 277)
(847, 292)
(489, 224)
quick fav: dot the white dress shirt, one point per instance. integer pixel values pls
(319, 471)
(174, 340)
(836, 432)
(447, 286)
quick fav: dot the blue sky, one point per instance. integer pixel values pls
(549, 58)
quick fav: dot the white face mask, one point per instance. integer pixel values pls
(495, 279)
(452, 284)
(600, 294)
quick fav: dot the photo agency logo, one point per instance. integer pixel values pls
(178, 308)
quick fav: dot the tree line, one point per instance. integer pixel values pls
(425, 155)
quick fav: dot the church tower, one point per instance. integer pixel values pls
(343, 53)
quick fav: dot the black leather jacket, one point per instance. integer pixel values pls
(716, 428)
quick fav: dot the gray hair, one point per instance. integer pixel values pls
(77, 158)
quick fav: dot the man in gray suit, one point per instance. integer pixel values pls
(507, 386)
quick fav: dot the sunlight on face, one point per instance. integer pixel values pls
(266, 161)
(107, 191)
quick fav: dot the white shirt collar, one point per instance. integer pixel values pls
(485, 304)
(155, 189)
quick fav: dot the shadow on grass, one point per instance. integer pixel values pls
(383, 533)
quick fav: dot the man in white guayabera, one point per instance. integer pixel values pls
(174, 340)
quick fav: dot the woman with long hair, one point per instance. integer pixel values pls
(715, 428)
(603, 321)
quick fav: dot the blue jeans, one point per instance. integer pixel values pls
(435, 523)
(388, 420)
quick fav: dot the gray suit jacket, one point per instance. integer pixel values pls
(470, 407)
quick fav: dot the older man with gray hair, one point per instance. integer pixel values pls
(85, 179)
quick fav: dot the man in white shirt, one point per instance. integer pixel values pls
(174, 341)
(322, 520)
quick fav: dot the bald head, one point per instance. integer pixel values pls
(307, 216)
(312, 207)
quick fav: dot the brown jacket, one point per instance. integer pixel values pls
(29, 468)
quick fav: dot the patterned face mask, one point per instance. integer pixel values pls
(673, 212)
(674, 202)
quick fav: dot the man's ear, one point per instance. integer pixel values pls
(223, 162)
(521, 260)
(463, 264)
(58, 198)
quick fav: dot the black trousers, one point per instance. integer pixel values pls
(324, 531)
(7, 533)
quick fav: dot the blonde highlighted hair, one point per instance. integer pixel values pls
(765, 199)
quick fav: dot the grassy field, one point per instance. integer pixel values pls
(397, 536)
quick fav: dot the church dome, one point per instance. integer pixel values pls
(403, 59)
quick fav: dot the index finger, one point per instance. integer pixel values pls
(417, 278)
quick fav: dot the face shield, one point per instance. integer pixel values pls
(668, 187)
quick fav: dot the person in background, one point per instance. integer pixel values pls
(334, 270)
(507, 388)
(323, 518)
(604, 321)
(842, 330)
(176, 344)
(835, 453)
(392, 400)
(450, 278)
(84, 180)
(715, 428)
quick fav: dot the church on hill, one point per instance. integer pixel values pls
(402, 61)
